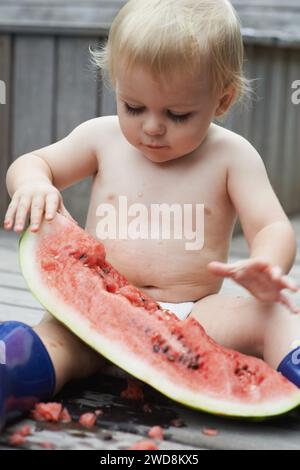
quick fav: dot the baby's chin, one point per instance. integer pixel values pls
(162, 157)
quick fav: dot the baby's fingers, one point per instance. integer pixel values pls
(37, 211)
(21, 214)
(66, 213)
(218, 269)
(289, 283)
(52, 205)
(283, 282)
(11, 213)
(288, 303)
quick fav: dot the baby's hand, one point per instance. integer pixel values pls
(37, 200)
(263, 280)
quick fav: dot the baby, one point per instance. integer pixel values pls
(175, 65)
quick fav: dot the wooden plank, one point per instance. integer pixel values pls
(277, 87)
(108, 102)
(12, 280)
(84, 18)
(239, 119)
(76, 86)
(269, 123)
(9, 260)
(261, 106)
(270, 21)
(290, 173)
(239, 244)
(76, 200)
(265, 3)
(122, 423)
(125, 422)
(19, 297)
(76, 91)
(5, 108)
(29, 316)
(33, 94)
(106, 96)
(8, 239)
(242, 121)
(266, 22)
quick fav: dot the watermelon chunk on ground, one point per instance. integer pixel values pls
(67, 271)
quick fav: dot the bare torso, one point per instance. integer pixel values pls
(164, 268)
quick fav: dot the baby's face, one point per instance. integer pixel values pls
(174, 117)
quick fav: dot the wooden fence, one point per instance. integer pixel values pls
(52, 87)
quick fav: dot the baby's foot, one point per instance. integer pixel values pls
(290, 366)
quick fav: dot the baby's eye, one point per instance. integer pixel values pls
(179, 117)
(133, 111)
(174, 117)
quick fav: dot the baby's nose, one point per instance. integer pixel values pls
(154, 127)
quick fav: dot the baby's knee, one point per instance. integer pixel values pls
(235, 322)
(54, 333)
(48, 317)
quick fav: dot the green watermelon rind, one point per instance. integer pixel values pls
(128, 361)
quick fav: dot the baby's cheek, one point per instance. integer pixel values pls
(128, 131)
(197, 137)
(187, 141)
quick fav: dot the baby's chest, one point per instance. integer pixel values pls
(139, 181)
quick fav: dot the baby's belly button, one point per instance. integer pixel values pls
(148, 288)
(172, 294)
(154, 291)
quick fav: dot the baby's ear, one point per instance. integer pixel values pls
(227, 98)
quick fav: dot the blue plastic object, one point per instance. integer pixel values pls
(27, 374)
(290, 366)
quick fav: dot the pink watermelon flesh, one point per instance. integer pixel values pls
(66, 270)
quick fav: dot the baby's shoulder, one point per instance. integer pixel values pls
(102, 125)
(100, 132)
(230, 145)
(226, 138)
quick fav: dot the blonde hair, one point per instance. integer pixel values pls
(177, 36)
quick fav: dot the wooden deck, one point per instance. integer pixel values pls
(125, 422)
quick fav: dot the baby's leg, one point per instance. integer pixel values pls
(235, 322)
(71, 358)
(36, 363)
(247, 325)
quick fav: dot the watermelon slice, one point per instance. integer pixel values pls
(66, 270)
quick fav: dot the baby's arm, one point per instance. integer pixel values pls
(268, 231)
(35, 179)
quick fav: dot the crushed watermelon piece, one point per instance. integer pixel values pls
(88, 420)
(133, 391)
(25, 430)
(52, 412)
(47, 445)
(19, 436)
(65, 416)
(210, 431)
(16, 439)
(144, 445)
(177, 423)
(156, 432)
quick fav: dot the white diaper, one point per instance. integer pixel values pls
(181, 309)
